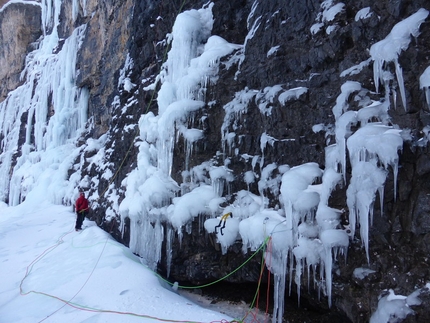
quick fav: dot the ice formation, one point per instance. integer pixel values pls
(395, 308)
(389, 49)
(363, 14)
(192, 63)
(325, 17)
(425, 84)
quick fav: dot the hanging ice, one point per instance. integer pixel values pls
(389, 49)
(425, 84)
(335, 242)
(192, 65)
(377, 141)
(371, 145)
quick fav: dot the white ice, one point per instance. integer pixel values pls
(389, 49)
(363, 14)
(425, 84)
(395, 308)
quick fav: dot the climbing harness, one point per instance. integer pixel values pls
(223, 221)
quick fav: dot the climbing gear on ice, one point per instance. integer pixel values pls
(223, 221)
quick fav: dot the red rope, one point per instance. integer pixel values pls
(38, 258)
(269, 247)
(83, 308)
(263, 266)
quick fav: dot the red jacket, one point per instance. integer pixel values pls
(81, 203)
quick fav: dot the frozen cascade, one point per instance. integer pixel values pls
(308, 231)
(311, 226)
(75, 8)
(342, 132)
(372, 144)
(299, 206)
(307, 254)
(279, 292)
(191, 64)
(56, 123)
(176, 96)
(366, 179)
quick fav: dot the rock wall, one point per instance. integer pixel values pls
(135, 31)
(20, 28)
(2, 2)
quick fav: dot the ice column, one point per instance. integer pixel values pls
(369, 146)
(300, 205)
(344, 120)
(190, 30)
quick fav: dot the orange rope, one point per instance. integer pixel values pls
(81, 307)
(254, 312)
(268, 277)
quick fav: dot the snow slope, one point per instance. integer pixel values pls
(51, 273)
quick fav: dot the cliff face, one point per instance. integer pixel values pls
(319, 51)
(20, 27)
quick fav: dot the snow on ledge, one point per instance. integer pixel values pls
(10, 2)
(389, 49)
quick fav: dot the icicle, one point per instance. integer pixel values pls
(278, 309)
(328, 266)
(400, 82)
(381, 197)
(332, 240)
(169, 248)
(75, 10)
(395, 173)
(298, 280)
(46, 15)
(343, 130)
(377, 72)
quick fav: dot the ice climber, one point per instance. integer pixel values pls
(81, 207)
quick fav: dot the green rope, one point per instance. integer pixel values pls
(222, 278)
(259, 281)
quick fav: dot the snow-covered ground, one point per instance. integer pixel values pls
(51, 273)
